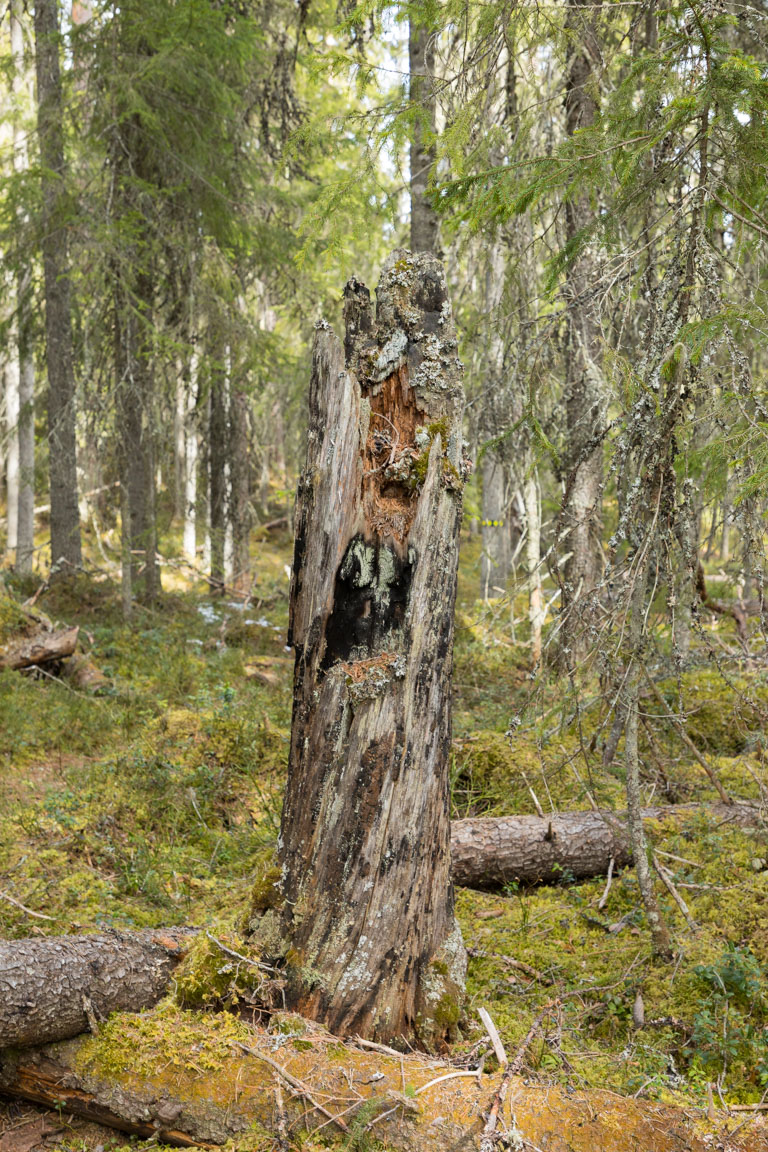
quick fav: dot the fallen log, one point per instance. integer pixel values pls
(188, 1079)
(45, 982)
(56, 987)
(84, 675)
(490, 852)
(39, 648)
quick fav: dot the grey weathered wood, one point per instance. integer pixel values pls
(367, 924)
(50, 986)
(489, 852)
(41, 647)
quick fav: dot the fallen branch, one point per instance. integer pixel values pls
(23, 907)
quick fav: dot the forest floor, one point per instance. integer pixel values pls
(158, 802)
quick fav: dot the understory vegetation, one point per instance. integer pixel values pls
(158, 801)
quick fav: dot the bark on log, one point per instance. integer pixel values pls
(52, 988)
(191, 1082)
(489, 852)
(39, 648)
(83, 674)
(44, 982)
(367, 924)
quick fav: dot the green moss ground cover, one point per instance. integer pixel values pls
(158, 803)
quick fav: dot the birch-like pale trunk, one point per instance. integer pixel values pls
(366, 926)
(21, 501)
(425, 231)
(65, 517)
(533, 562)
(189, 541)
(496, 561)
(12, 451)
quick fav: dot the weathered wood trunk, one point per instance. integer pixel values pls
(186, 1079)
(489, 852)
(51, 988)
(367, 924)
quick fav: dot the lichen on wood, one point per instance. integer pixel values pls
(366, 927)
(189, 1078)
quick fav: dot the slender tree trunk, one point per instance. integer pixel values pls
(533, 562)
(425, 235)
(584, 401)
(240, 517)
(133, 357)
(496, 417)
(659, 932)
(12, 451)
(65, 520)
(25, 426)
(217, 475)
(25, 531)
(725, 539)
(367, 926)
(496, 561)
(24, 437)
(190, 462)
(179, 445)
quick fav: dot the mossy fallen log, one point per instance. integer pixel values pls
(47, 983)
(188, 1078)
(491, 852)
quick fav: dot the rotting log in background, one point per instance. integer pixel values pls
(366, 924)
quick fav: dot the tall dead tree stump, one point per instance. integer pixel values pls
(366, 925)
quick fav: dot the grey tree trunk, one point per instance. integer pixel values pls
(584, 401)
(50, 988)
(133, 356)
(240, 497)
(425, 233)
(190, 461)
(65, 519)
(498, 413)
(11, 376)
(367, 924)
(25, 428)
(25, 525)
(218, 452)
(496, 560)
